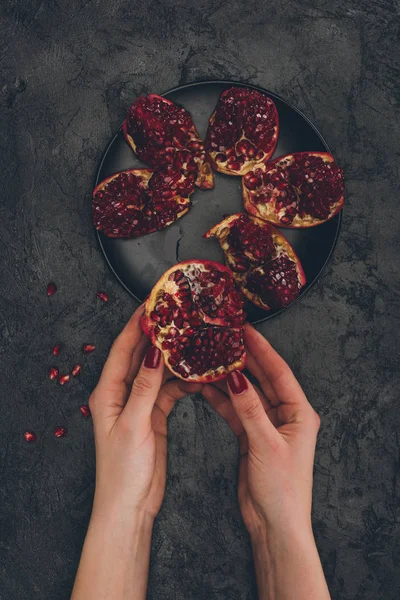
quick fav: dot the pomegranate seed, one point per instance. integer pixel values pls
(51, 288)
(30, 436)
(102, 296)
(85, 410)
(53, 373)
(88, 348)
(76, 370)
(63, 379)
(60, 432)
(56, 350)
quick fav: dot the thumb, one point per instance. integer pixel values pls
(249, 409)
(145, 387)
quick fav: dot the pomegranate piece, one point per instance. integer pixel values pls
(53, 373)
(88, 348)
(76, 369)
(263, 262)
(242, 132)
(303, 189)
(63, 379)
(195, 316)
(30, 436)
(56, 350)
(60, 431)
(51, 288)
(85, 410)
(163, 135)
(140, 201)
(102, 296)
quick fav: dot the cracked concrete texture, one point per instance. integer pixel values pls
(68, 73)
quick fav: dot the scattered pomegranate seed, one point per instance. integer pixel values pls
(63, 379)
(85, 410)
(60, 432)
(76, 370)
(51, 288)
(56, 350)
(53, 373)
(30, 436)
(102, 296)
(88, 348)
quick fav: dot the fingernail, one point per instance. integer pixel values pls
(237, 382)
(152, 358)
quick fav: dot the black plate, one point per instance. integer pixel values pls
(139, 263)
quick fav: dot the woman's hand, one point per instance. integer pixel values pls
(130, 406)
(277, 430)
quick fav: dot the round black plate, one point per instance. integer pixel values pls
(138, 263)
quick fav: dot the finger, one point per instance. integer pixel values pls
(249, 408)
(145, 388)
(137, 358)
(119, 359)
(283, 382)
(173, 391)
(223, 406)
(255, 369)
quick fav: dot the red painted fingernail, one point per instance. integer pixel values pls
(237, 382)
(152, 358)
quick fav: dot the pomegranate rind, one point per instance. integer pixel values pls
(249, 164)
(267, 211)
(144, 175)
(150, 326)
(221, 231)
(205, 178)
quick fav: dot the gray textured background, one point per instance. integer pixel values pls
(69, 70)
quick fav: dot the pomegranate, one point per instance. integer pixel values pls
(63, 379)
(56, 350)
(243, 131)
(51, 289)
(163, 135)
(53, 373)
(195, 316)
(139, 201)
(88, 348)
(30, 436)
(76, 369)
(102, 296)
(263, 262)
(60, 431)
(303, 189)
(85, 410)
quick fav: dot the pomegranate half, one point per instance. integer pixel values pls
(242, 132)
(139, 201)
(194, 315)
(263, 262)
(303, 189)
(163, 135)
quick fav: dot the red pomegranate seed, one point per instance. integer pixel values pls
(56, 350)
(88, 348)
(76, 370)
(30, 436)
(102, 296)
(60, 432)
(64, 379)
(53, 373)
(85, 410)
(51, 288)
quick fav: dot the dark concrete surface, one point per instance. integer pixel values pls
(69, 70)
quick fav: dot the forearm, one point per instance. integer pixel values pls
(115, 558)
(288, 566)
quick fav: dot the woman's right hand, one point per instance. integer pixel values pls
(277, 430)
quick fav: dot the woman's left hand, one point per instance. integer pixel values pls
(130, 406)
